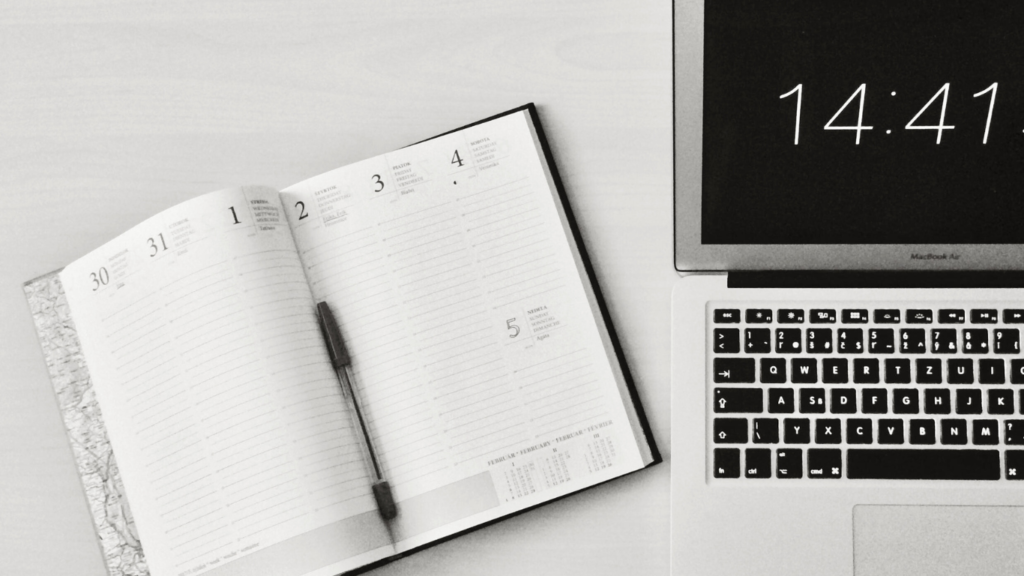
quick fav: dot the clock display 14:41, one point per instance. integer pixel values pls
(859, 127)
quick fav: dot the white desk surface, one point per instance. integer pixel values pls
(111, 110)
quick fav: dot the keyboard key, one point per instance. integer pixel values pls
(984, 316)
(736, 400)
(850, 341)
(954, 431)
(1000, 401)
(787, 341)
(865, 371)
(759, 316)
(727, 316)
(796, 431)
(929, 371)
(773, 370)
(1013, 432)
(759, 340)
(727, 462)
(1015, 464)
(890, 431)
(733, 370)
(905, 401)
(968, 401)
(766, 431)
(1017, 371)
(960, 371)
(780, 401)
(936, 401)
(887, 316)
(912, 341)
(986, 432)
(824, 463)
(874, 401)
(1007, 341)
(855, 316)
(812, 401)
(823, 316)
(827, 431)
(727, 340)
(791, 316)
(835, 371)
(730, 430)
(844, 401)
(991, 372)
(950, 317)
(922, 431)
(975, 341)
(805, 371)
(858, 431)
(919, 316)
(819, 340)
(880, 341)
(758, 463)
(789, 463)
(944, 340)
(910, 464)
(897, 371)
(1013, 316)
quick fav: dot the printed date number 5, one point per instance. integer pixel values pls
(513, 328)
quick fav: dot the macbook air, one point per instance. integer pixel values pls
(847, 379)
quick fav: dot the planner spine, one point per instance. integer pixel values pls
(83, 421)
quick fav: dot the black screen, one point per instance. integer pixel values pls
(951, 70)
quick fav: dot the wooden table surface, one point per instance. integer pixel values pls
(111, 111)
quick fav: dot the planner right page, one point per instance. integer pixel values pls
(488, 375)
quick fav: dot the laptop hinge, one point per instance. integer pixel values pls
(873, 279)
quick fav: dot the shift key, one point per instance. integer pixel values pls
(733, 370)
(745, 400)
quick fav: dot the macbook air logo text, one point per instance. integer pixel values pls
(933, 256)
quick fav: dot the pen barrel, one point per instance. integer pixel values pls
(385, 501)
(365, 439)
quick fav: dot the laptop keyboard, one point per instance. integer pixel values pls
(900, 393)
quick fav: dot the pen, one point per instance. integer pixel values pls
(343, 367)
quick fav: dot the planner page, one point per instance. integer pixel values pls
(472, 331)
(223, 411)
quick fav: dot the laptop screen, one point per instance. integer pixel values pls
(842, 122)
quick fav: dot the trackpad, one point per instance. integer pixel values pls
(931, 540)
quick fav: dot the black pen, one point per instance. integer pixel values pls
(343, 367)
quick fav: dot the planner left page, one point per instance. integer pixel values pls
(237, 454)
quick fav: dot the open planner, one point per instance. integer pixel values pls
(489, 373)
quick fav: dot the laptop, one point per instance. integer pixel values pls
(847, 379)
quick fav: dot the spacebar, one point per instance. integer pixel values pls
(908, 464)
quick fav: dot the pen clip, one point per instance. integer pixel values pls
(332, 337)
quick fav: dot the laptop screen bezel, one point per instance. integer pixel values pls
(691, 254)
